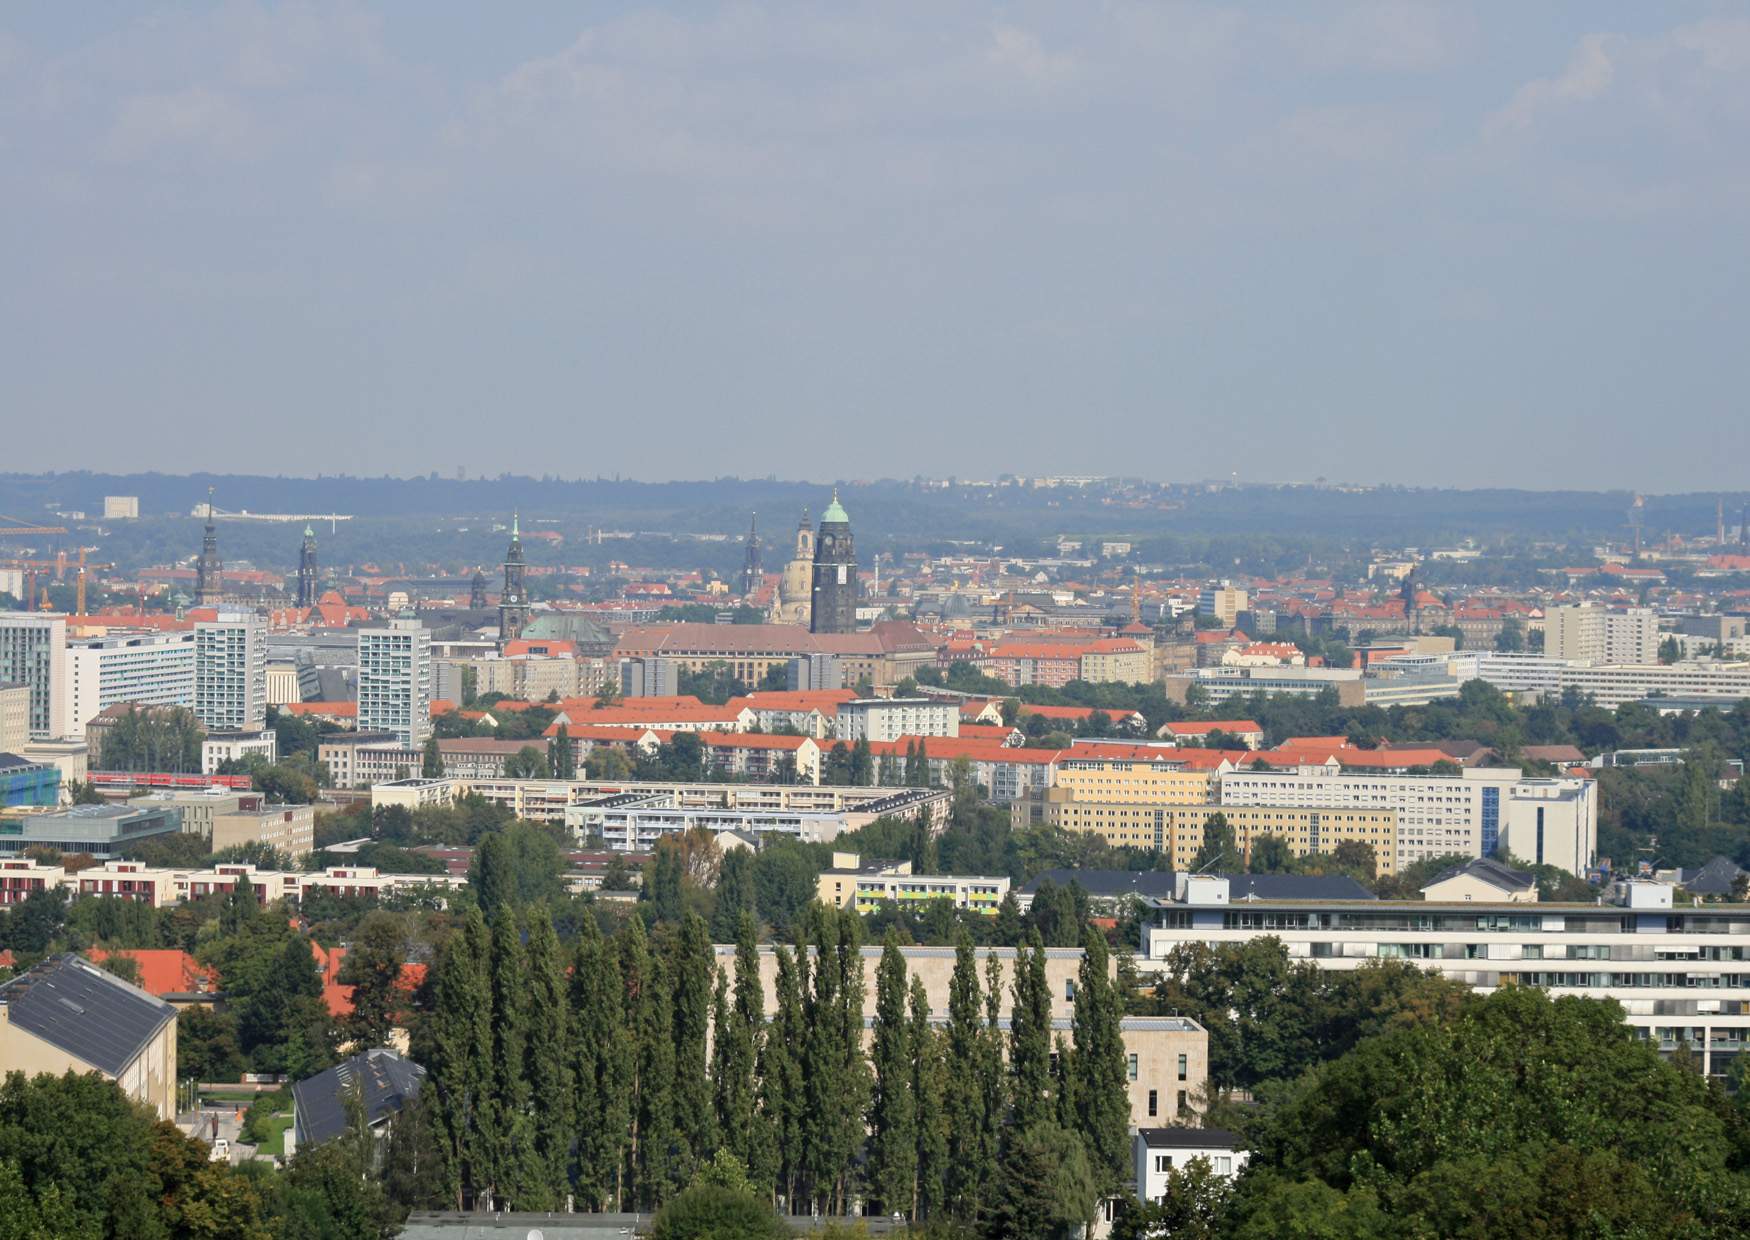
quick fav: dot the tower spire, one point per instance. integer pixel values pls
(513, 604)
(209, 570)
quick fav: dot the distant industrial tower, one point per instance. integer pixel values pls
(751, 573)
(307, 569)
(209, 570)
(513, 604)
(477, 592)
(834, 597)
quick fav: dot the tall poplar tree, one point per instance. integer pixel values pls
(547, 1068)
(734, 895)
(1030, 1038)
(734, 1062)
(638, 994)
(455, 1045)
(694, 966)
(1097, 1077)
(893, 1136)
(822, 1068)
(929, 1088)
(964, 1097)
(510, 1128)
(657, 1141)
(601, 1062)
(781, 1078)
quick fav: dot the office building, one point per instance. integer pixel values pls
(1222, 602)
(1477, 812)
(218, 748)
(813, 673)
(101, 830)
(394, 681)
(121, 507)
(1598, 635)
(1609, 685)
(148, 668)
(650, 677)
(888, 719)
(230, 673)
(14, 717)
(1677, 970)
(33, 652)
(23, 782)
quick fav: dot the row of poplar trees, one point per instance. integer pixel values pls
(604, 1076)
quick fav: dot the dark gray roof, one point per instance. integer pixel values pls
(1489, 871)
(386, 1083)
(11, 761)
(90, 1014)
(1713, 879)
(1108, 884)
(1295, 887)
(1188, 1138)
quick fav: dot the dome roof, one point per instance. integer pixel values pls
(835, 511)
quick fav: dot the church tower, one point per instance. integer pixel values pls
(307, 569)
(834, 597)
(751, 572)
(209, 570)
(513, 604)
(477, 592)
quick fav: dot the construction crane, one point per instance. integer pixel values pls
(79, 606)
(12, 527)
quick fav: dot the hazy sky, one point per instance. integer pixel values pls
(1388, 242)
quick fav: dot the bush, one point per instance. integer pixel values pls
(707, 1212)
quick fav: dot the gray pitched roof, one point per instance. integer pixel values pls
(1108, 884)
(90, 1014)
(1713, 879)
(386, 1083)
(1489, 871)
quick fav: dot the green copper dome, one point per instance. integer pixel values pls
(835, 511)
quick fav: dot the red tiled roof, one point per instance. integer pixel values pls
(338, 997)
(163, 971)
(1234, 727)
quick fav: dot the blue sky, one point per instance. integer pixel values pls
(1430, 244)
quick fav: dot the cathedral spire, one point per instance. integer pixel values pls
(513, 603)
(209, 570)
(307, 569)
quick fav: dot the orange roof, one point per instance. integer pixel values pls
(985, 731)
(441, 706)
(1235, 727)
(339, 710)
(524, 645)
(163, 971)
(973, 750)
(338, 997)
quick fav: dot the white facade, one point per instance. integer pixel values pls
(1482, 810)
(1158, 1152)
(221, 747)
(33, 652)
(1223, 602)
(153, 669)
(1679, 972)
(1609, 685)
(121, 507)
(888, 719)
(230, 673)
(394, 681)
(1596, 635)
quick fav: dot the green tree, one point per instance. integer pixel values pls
(734, 895)
(602, 1064)
(1219, 852)
(527, 763)
(1097, 1067)
(1046, 1187)
(893, 1136)
(970, 1160)
(372, 968)
(929, 1086)
(1030, 1038)
(781, 1076)
(547, 1066)
(455, 1044)
(507, 1127)
(561, 757)
(431, 762)
(693, 969)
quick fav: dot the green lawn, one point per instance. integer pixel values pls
(274, 1142)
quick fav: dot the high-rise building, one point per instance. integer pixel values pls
(307, 569)
(230, 673)
(152, 669)
(209, 570)
(833, 601)
(394, 680)
(513, 604)
(1597, 635)
(1221, 602)
(33, 650)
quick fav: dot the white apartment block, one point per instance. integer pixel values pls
(33, 652)
(394, 681)
(151, 668)
(1609, 685)
(1598, 635)
(1681, 972)
(888, 719)
(1477, 812)
(14, 717)
(230, 673)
